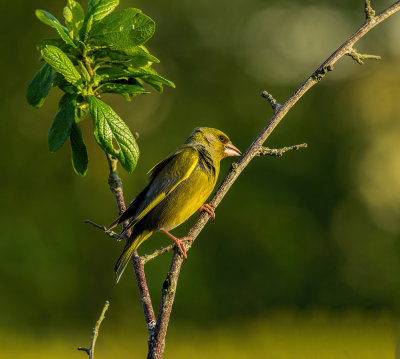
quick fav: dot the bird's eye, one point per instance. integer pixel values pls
(222, 138)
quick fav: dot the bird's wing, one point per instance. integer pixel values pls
(164, 178)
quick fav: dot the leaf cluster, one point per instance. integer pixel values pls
(101, 51)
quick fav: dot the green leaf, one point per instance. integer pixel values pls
(60, 62)
(141, 57)
(79, 152)
(123, 88)
(158, 86)
(86, 27)
(106, 72)
(136, 57)
(126, 90)
(64, 119)
(151, 76)
(108, 126)
(148, 75)
(63, 84)
(99, 9)
(114, 74)
(40, 86)
(74, 16)
(123, 30)
(81, 110)
(50, 20)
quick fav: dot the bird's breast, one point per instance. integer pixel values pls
(184, 201)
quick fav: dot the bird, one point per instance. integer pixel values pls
(178, 186)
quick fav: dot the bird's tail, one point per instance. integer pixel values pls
(130, 247)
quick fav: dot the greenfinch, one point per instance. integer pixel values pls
(178, 187)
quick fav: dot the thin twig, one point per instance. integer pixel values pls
(144, 258)
(156, 348)
(148, 257)
(95, 333)
(116, 188)
(357, 57)
(278, 152)
(109, 232)
(369, 11)
(274, 104)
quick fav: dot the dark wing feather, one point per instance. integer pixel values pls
(164, 178)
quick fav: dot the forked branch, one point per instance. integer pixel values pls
(90, 351)
(359, 58)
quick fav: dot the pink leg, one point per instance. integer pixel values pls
(209, 209)
(178, 242)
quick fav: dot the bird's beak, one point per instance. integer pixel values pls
(231, 150)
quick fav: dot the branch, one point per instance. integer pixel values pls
(369, 11)
(148, 257)
(360, 57)
(109, 232)
(116, 188)
(278, 152)
(95, 333)
(274, 104)
(156, 348)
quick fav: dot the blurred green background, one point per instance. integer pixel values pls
(303, 260)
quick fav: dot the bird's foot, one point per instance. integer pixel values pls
(209, 209)
(179, 243)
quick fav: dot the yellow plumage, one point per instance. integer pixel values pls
(178, 187)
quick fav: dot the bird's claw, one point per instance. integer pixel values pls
(209, 209)
(179, 243)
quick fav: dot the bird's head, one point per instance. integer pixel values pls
(215, 141)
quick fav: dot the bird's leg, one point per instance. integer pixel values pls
(178, 242)
(209, 209)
